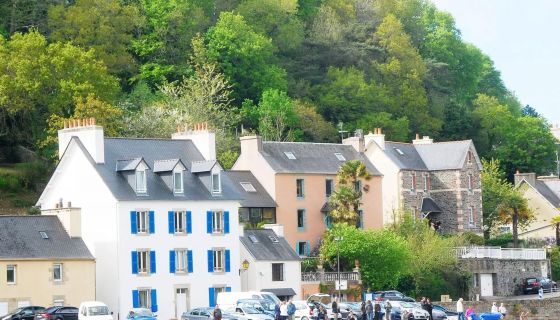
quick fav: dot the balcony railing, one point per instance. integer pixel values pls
(329, 276)
(500, 253)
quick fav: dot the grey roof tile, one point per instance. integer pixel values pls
(266, 250)
(546, 189)
(20, 239)
(128, 164)
(167, 165)
(258, 199)
(203, 166)
(404, 155)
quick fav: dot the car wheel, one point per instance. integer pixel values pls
(304, 318)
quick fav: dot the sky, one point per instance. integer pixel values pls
(522, 38)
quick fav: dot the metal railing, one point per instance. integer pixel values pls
(500, 253)
(329, 276)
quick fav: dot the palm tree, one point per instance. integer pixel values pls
(556, 223)
(515, 210)
(345, 200)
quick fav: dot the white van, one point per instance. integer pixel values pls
(94, 310)
(229, 299)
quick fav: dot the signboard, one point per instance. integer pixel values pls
(342, 285)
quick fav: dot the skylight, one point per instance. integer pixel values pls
(248, 186)
(339, 156)
(399, 151)
(273, 239)
(290, 155)
(43, 234)
(253, 239)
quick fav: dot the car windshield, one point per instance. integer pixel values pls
(272, 298)
(98, 311)
(143, 313)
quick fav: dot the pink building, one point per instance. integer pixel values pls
(300, 176)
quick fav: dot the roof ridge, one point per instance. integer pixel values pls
(174, 159)
(26, 216)
(139, 138)
(137, 158)
(308, 142)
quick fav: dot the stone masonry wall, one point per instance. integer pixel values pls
(548, 309)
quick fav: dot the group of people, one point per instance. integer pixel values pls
(285, 310)
(470, 314)
(373, 311)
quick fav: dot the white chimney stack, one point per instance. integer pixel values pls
(424, 140)
(90, 134)
(277, 228)
(376, 136)
(203, 138)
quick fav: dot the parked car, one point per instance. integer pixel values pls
(246, 313)
(395, 310)
(58, 313)
(436, 314)
(229, 299)
(262, 305)
(306, 310)
(325, 300)
(141, 314)
(391, 295)
(205, 314)
(94, 310)
(532, 285)
(350, 308)
(23, 313)
(410, 311)
(451, 315)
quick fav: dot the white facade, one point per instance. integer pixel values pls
(106, 227)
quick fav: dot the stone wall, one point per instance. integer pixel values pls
(548, 309)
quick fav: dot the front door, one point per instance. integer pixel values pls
(486, 286)
(544, 270)
(181, 301)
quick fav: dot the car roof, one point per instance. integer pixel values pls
(92, 304)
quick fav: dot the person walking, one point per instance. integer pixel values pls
(277, 311)
(494, 308)
(502, 309)
(369, 310)
(377, 311)
(334, 307)
(217, 314)
(460, 310)
(363, 310)
(388, 308)
(429, 308)
(283, 311)
(291, 309)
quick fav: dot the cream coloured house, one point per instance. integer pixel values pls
(42, 264)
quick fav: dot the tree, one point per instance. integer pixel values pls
(514, 209)
(556, 223)
(312, 125)
(394, 129)
(346, 198)
(103, 25)
(494, 187)
(244, 56)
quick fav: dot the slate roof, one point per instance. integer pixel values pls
(166, 165)
(203, 166)
(128, 164)
(196, 187)
(311, 157)
(20, 239)
(265, 249)
(546, 189)
(429, 205)
(258, 199)
(449, 155)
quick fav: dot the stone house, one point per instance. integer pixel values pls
(438, 181)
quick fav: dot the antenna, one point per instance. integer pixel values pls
(341, 130)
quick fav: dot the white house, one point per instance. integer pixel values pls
(155, 213)
(273, 265)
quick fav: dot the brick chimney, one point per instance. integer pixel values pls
(376, 136)
(530, 177)
(90, 134)
(203, 138)
(424, 140)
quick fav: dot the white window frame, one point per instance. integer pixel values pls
(180, 180)
(471, 216)
(217, 221)
(13, 267)
(181, 261)
(470, 182)
(59, 266)
(414, 182)
(339, 156)
(142, 221)
(143, 261)
(180, 221)
(217, 290)
(141, 185)
(218, 255)
(426, 182)
(147, 293)
(248, 186)
(216, 188)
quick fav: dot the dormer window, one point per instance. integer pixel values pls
(178, 181)
(141, 181)
(216, 183)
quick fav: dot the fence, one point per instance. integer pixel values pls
(500, 253)
(329, 276)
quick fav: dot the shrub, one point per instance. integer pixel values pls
(9, 183)
(33, 211)
(555, 263)
(32, 172)
(21, 203)
(471, 238)
(503, 240)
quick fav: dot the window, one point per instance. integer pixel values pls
(273, 239)
(413, 187)
(218, 260)
(181, 263)
(144, 261)
(300, 184)
(43, 234)
(144, 298)
(358, 186)
(329, 186)
(475, 280)
(178, 181)
(217, 222)
(216, 184)
(141, 181)
(142, 221)
(302, 248)
(339, 156)
(11, 274)
(179, 217)
(248, 186)
(426, 182)
(290, 155)
(57, 272)
(217, 291)
(399, 151)
(301, 219)
(471, 216)
(253, 239)
(277, 272)
(360, 222)
(471, 182)
(469, 157)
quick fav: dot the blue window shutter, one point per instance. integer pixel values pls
(152, 222)
(226, 222)
(171, 261)
(189, 222)
(135, 299)
(210, 261)
(171, 219)
(152, 262)
(228, 289)
(211, 297)
(154, 300)
(208, 221)
(228, 269)
(190, 261)
(133, 226)
(134, 260)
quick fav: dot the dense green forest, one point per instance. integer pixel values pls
(288, 69)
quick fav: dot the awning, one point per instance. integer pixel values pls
(429, 205)
(326, 208)
(281, 292)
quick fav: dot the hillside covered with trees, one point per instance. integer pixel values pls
(287, 69)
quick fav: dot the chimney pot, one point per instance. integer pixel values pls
(417, 136)
(516, 171)
(380, 130)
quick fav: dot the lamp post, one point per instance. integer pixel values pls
(338, 239)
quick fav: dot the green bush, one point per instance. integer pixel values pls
(33, 211)
(504, 240)
(32, 172)
(9, 183)
(472, 238)
(21, 203)
(555, 263)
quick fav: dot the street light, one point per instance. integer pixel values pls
(338, 239)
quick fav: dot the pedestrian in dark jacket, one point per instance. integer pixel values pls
(363, 310)
(277, 312)
(429, 308)
(377, 311)
(369, 310)
(217, 314)
(334, 307)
